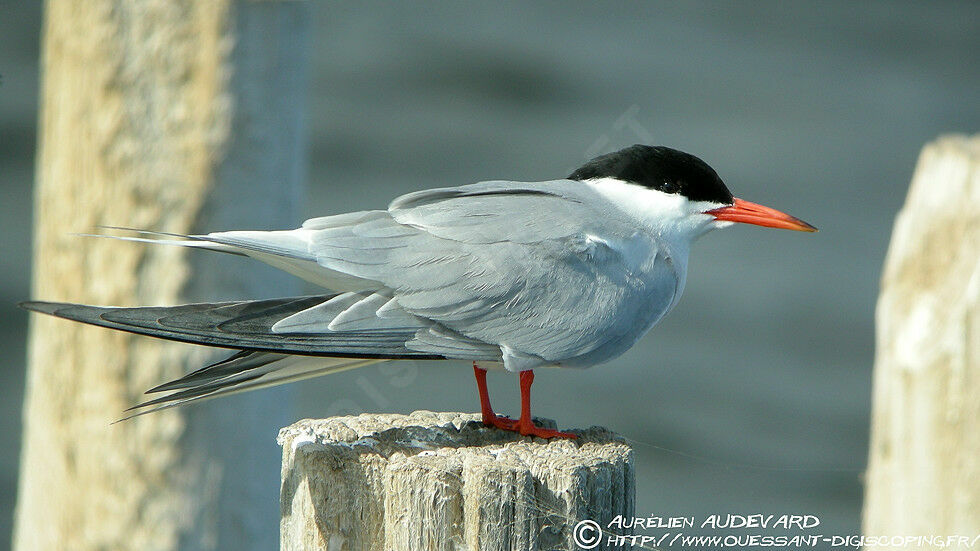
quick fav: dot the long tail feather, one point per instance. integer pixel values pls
(253, 371)
(189, 241)
(284, 250)
(236, 363)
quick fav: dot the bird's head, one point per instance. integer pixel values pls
(678, 190)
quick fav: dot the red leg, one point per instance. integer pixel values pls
(490, 418)
(524, 425)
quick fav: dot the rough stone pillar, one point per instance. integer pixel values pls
(924, 467)
(178, 116)
(444, 481)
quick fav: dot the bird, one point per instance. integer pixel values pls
(566, 273)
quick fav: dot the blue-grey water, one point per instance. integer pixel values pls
(753, 395)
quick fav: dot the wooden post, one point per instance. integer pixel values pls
(444, 481)
(924, 468)
(173, 116)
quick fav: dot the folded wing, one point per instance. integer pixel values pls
(243, 325)
(513, 265)
(493, 269)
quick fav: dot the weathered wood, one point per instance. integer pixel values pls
(444, 481)
(173, 116)
(924, 467)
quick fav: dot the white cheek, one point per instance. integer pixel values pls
(667, 214)
(647, 205)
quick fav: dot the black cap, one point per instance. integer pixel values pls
(660, 168)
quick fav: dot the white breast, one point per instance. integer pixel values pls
(655, 250)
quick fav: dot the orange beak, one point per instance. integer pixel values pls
(750, 213)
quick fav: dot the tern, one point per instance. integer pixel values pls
(500, 274)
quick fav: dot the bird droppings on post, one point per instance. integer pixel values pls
(444, 481)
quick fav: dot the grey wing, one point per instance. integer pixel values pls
(247, 325)
(272, 345)
(509, 264)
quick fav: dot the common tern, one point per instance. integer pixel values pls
(517, 275)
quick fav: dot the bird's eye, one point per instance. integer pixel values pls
(670, 186)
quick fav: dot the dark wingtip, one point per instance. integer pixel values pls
(172, 385)
(50, 308)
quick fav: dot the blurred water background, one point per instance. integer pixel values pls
(753, 395)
